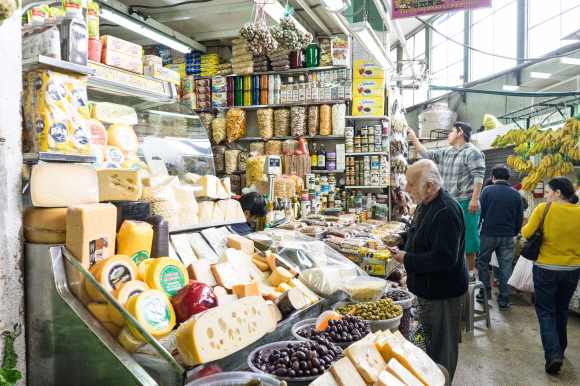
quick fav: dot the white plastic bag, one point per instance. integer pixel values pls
(522, 277)
(494, 261)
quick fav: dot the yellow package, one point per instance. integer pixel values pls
(368, 106)
(367, 88)
(77, 88)
(50, 91)
(52, 131)
(367, 69)
(26, 93)
(78, 135)
(135, 239)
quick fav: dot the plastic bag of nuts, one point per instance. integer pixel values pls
(266, 123)
(298, 121)
(219, 160)
(325, 120)
(242, 58)
(258, 147)
(231, 161)
(290, 144)
(236, 126)
(206, 119)
(218, 127)
(313, 120)
(274, 147)
(244, 70)
(281, 123)
(242, 158)
(254, 170)
(338, 119)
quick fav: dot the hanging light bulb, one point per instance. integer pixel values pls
(367, 38)
(336, 6)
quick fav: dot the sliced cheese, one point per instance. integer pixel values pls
(227, 186)
(217, 215)
(387, 379)
(345, 373)
(263, 256)
(241, 243)
(153, 311)
(111, 273)
(201, 271)
(402, 374)
(283, 288)
(266, 290)
(123, 137)
(208, 187)
(222, 331)
(247, 289)
(219, 291)
(113, 113)
(274, 295)
(205, 212)
(227, 299)
(325, 379)
(58, 185)
(305, 290)
(123, 293)
(119, 185)
(366, 359)
(260, 264)
(44, 225)
(128, 340)
(225, 275)
(100, 311)
(166, 275)
(279, 275)
(229, 254)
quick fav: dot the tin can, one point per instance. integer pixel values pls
(374, 178)
(378, 129)
(239, 98)
(384, 179)
(255, 82)
(374, 162)
(367, 162)
(371, 140)
(305, 208)
(384, 169)
(384, 160)
(349, 146)
(367, 179)
(231, 83)
(256, 97)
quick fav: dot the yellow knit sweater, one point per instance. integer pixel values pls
(561, 240)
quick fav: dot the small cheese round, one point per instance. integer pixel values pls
(123, 136)
(111, 273)
(100, 311)
(125, 292)
(128, 340)
(98, 132)
(153, 311)
(167, 275)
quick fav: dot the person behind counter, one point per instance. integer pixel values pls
(254, 206)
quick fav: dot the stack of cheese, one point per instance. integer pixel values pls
(383, 359)
(159, 191)
(225, 210)
(187, 205)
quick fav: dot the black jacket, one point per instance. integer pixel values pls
(435, 245)
(501, 210)
(241, 228)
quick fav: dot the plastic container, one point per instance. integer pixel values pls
(95, 49)
(376, 325)
(234, 378)
(312, 55)
(307, 323)
(363, 288)
(74, 39)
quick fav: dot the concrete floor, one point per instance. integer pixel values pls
(510, 352)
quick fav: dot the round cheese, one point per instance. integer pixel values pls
(135, 239)
(166, 275)
(110, 165)
(123, 136)
(100, 311)
(98, 133)
(143, 265)
(128, 340)
(123, 293)
(131, 156)
(113, 154)
(44, 225)
(111, 273)
(131, 164)
(112, 328)
(153, 311)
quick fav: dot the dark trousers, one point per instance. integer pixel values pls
(442, 319)
(554, 289)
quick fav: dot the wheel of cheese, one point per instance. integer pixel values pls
(44, 225)
(97, 152)
(128, 340)
(123, 136)
(100, 311)
(111, 273)
(153, 311)
(109, 165)
(142, 267)
(112, 328)
(98, 133)
(166, 275)
(113, 154)
(135, 239)
(132, 164)
(123, 293)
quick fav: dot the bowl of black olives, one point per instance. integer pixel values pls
(342, 332)
(294, 361)
(399, 296)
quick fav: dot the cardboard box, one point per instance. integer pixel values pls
(219, 103)
(122, 61)
(368, 106)
(374, 267)
(122, 46)
(365, 88)
(367, 69)
(149, 60)
(159, 72)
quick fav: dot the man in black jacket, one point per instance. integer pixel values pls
(434, 257)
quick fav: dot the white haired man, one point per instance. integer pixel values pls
(433, 251)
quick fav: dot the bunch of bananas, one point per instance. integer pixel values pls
(522, 148)
(532, 132)
(519, 164)
(571, 127)
(551, 160)
(574, 153)
(501, 141)
(544, 139)
(536, 148)
(530, 182)
(560, 170)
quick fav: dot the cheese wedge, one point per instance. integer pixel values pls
(260, 264)
(208, 187)
(345, 373)
(205, 211)
(402, 374)
(227, 186)
(388, 379)
(366, 359)
(217, 215)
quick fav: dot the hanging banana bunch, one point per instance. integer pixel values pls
(536, 148)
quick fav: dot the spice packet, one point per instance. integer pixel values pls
(72, 6)
(37, 14)
(93, 19)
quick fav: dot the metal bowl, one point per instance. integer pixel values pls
(376, 325)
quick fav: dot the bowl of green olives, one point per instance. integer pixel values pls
(381, 314)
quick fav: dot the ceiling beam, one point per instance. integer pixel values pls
(548, 76)
(314, 17)
(215, 35)
(196, 12)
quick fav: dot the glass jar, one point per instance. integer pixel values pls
(231, 98)
(297, 59)
(247, 82)
(312, 55)
(239, 98)
(263, 97)
(255, 82)
(255, 97)
(349, 145)
(308, 92)
(247, 98)
(74, 39)
(283, 94)
(264, 80)
(231, 83)
(302, 92)
(239, 84)
(314, 91)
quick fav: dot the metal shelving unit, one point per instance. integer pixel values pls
(293, 71)
(198, 227)
(256, 107)
(367, 187)
(45, 62)
(368, 153)
(369, 118)
(57, 157)
(326, 171)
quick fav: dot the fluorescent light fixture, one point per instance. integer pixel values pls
(572, 36)
(276, 11)
(507, 87)
(572, 61)
(337, 6)
(340, 23)
(363, 32)
(135, 26)
(546, 75)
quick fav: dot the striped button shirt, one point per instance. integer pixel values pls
(460, 168)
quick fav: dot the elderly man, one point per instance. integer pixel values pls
(433, 251)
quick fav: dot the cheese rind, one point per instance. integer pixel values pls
(153, 311)
(44, 225)
(279, 275)
(402, 374)
(166, 275)
(119, 185)
(201, 271)
(111, 273)
(241, 244)
(123, 293)
(366, 359)
(308, 294)
(345, 373)
(225, 275)
(221, 192)
(57, 185)
(219, 291)
(223, 331)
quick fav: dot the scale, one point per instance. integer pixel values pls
(272, 169)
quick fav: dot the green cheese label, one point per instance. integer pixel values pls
(172, 280)
(156, 313)
(139, 257)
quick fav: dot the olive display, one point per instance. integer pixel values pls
(378, 310)
(397, 295)
(298, 360)
(347, 329)
(258, 382)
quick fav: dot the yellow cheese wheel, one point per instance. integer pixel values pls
(112, 328)
(111, 273)
(113, 154)
(143, 265)
(100, 311)
(166, 275)
(131, 164)
(98, 133)
(135, 239)
(128, 340)
(122, 136)
(123, 293)
(154, 312)
(44, 225)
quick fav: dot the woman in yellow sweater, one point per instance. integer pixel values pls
(557, 270)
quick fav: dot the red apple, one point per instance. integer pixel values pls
(193, 299)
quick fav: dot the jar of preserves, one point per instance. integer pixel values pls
(297, 59)
(264, 97)
(312, 55)
(247, 82)
(331, 161)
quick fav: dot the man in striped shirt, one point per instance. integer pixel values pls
(462, 167)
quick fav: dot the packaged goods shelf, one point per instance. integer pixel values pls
(368, 153)
(45, 62)
(316, 137)
(256, 107)
(370, 118)
(327, 171)
(293, 71)
(367, 187)
(197, 227)
(57, 157)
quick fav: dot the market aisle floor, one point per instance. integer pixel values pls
(510, 352)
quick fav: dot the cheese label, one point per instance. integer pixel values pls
(140, 256)
(117, 275)
(98, 250)
(114, 155)
(156, 313)
(172, 280)
(134, 292)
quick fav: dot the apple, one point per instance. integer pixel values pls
(193, 299)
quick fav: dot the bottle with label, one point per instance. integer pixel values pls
(296, 207)
(314, 158)
(74, 39)
(270, 215)
(322, 158)
(288, 212)
(281, 212)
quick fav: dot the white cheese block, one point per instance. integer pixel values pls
(119, 185)
(221, 192)
(192, 178)
(217, 215)
(208, 187)
(227, 186)
(227, 299)
(205, 211)
(402, 374)
(154, 180)
(200, 270)
(241, 244)
(345, 373)
(229, 254)
(225, 275)
(113, 113)
(239, 213)
(201, 248)
(366, 359)
(325, 379)
(56, 185)
(224, 330)
(387, 379)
